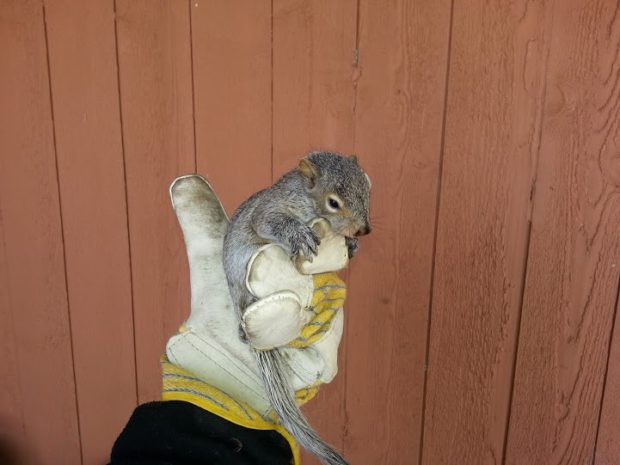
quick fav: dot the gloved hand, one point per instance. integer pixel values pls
(300, 312)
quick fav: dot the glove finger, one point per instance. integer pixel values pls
(204, 223)
(199, 211)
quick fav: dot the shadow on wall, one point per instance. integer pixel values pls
(12, 450)
(9, 454)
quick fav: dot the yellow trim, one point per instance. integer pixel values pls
(258, 425)
(179, 384)
(327, 299)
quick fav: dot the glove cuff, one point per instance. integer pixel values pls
(179, 384)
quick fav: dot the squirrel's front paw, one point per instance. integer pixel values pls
(352, 245)
(304, 241)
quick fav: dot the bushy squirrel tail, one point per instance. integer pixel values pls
(282, 397)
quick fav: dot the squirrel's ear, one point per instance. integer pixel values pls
(308, 170)
(353, 158)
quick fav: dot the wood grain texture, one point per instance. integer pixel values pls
(82, 51)
(608, 441)
(313, 70)
(231, 43)
(400, 78)
(313, 101)
(572, 279)
(489, 129)
(492, 126)
(154, 54)
(38, 370)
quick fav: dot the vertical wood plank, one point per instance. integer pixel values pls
(572, 280)
(403, 51)
(313, 100)
(608, 441)
(313, 70)
(82, 50)
(231, 44)
(35, 316)
(495, 87)
(154, 53)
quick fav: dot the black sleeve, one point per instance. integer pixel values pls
(180, 433)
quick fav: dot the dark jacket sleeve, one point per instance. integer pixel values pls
(180, 433)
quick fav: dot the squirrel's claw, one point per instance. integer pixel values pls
(305, 241)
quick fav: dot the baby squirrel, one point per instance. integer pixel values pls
(324, 185)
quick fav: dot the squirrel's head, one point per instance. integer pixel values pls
(340, 189)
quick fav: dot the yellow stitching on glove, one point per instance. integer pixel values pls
(328, 297)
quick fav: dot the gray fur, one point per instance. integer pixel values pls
(282, 396)
(279, 214)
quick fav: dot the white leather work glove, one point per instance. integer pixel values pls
(208, 344)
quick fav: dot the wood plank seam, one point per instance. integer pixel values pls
(191, 57)
(517, 338)
(357, 70)
(609, 347)
(122, 136)
(345, 336)
(532, 204)
(62, 230)
(271, 89)
(435, 227)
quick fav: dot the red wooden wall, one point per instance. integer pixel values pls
(481, 324)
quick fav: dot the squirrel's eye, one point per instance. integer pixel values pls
(333, 203)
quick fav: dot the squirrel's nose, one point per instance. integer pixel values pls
(363, 230)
